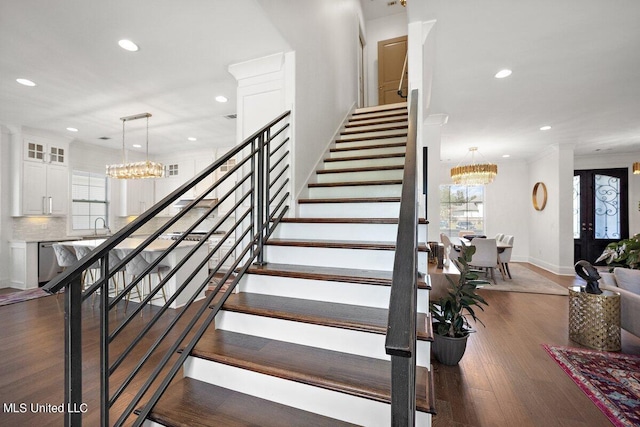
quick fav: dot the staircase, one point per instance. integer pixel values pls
(302, 342)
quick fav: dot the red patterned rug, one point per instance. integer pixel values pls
(611, 380)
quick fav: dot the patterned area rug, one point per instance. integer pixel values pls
(611, 380)
(22, 296)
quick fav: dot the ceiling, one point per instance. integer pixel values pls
(86, 81)
(575, 67)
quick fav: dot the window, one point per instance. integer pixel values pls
(172, 170)
(461, 208)
(89, 200)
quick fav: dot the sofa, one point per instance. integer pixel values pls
(626, 282)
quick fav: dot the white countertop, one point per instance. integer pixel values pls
(158, 245)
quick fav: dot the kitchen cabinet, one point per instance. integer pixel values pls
(137, 195)
(44, 180)
(24, 264)
(225, 186)
(176, 174)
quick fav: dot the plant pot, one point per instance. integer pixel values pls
(447, 350)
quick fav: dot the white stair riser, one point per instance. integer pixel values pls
(365, 259)
(298, 395)
(372, 115)
(394, 190)
(354, 144)
(324, 178)
(365, 122)
(328, 291)
(387, 161)
(328, 231)
(350, 210)
(373, 128)
(373, 134)
(366, 152)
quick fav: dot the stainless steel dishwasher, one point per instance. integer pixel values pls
(48, 267)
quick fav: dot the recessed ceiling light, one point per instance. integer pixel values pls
(502, 74)
(547, 127)
(221, 98)
(137, 146)
(128, 45)
(192, 138)
(72, 129)
(506, 155)
(25, 82)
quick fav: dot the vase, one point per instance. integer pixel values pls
(447, 350)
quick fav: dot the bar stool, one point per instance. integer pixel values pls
(136, 267)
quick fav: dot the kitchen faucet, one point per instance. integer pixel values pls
(95, 225)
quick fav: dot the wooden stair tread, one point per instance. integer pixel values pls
(355, 183)
(348, 373)
(376, 121)
(368, 147)
(369, 157)
(347, 220)
(371, 137)
(352, 200)
(347, 316)
(362, 169)
(352, 131)
(339, 244)
(332, 274)
(194, 403)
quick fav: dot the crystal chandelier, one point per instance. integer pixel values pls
(135, 170)
(636, 168)
(474, 173)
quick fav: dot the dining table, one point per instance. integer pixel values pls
(152, 252)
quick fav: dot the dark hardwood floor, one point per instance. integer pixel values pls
(505, 378)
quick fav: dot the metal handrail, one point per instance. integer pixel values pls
(401, 337)
(404, 69)
(255, 208)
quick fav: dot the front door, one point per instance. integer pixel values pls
(392, 69)
(600, 210)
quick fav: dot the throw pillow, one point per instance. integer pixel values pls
(628, 279)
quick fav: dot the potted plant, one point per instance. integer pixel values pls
(625, 253)
(450, 314)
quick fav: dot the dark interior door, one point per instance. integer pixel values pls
(600, 210)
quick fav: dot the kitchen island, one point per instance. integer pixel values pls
(152, 252)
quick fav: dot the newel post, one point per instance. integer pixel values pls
(73, 353)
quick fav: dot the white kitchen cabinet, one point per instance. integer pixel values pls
(225, 186)
(44, 180)
(137, 195)
(24, 264)
(202, 186)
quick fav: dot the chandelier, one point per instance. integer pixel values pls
(636, 168)
(474, 173)
(135, 170)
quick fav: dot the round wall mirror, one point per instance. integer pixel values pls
(539, 196)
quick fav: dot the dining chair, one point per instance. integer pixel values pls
(65, 256)
(499, 237)
(486, 256)
(136, 267)
(505, 256)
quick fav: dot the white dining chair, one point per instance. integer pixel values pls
(486, 256)
(499, 237)
(505, 256)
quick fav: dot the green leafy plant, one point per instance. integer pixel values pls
(625, 253)
(451, 311)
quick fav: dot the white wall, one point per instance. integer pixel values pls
(324, 36)
(380, 29)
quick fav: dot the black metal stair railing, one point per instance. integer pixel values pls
(134, 372)
(401, 336)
